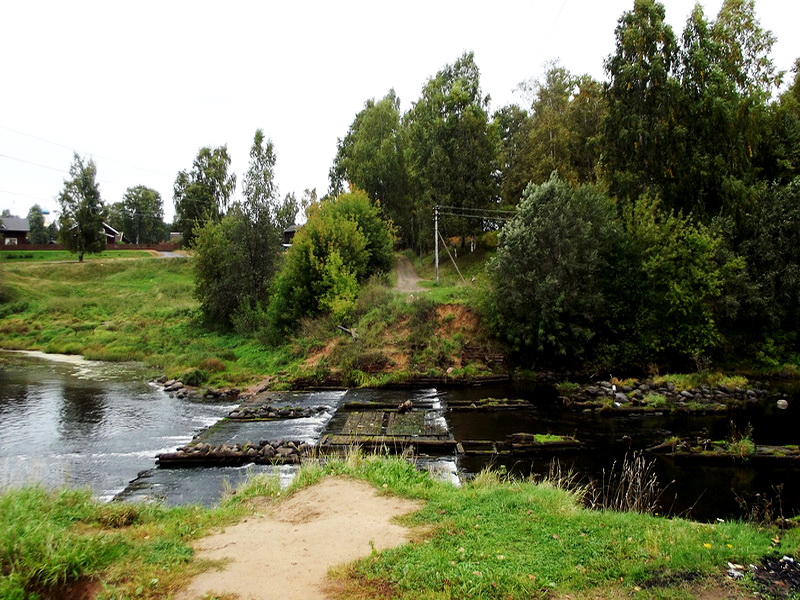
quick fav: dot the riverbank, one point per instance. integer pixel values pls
(144, 310)
(490, 538)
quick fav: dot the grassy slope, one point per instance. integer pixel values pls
(121, 310)
(144, 310)
(489, 539)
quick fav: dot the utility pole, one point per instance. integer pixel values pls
(436, 240)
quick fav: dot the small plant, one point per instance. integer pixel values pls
(631, 486)
(194, 377)
(212, 365)
(655, 400)
(568, 388)
(740, 443)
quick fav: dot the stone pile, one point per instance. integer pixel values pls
(266, 411)
(265, 452)
(625, 396)
(181, 390)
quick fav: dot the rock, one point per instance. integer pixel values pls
(620, 397)
(782, 404)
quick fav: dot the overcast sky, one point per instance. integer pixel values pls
(140, 87)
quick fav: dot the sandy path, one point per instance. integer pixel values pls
(285, 555)
(407, 278)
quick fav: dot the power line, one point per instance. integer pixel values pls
(28, 162)
(41, 139)
(25, 196)
(22, 160)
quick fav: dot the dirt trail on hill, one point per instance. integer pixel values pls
(285, 553)
(407, 278)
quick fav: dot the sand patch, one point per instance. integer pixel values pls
(286, 554)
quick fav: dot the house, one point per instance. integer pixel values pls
(113, 236)
(288, 235)
(14, 231)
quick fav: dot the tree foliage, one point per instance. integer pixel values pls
(39, 233)
(237, 256)
(82, 209)
(560, 134)
(771, 247)
(344, 241)
(203, 193)
(370, 157)
(640, 129)
(451, 147)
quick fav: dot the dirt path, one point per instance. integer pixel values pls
(407, 278)
(286, 553)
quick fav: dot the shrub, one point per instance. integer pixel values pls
(194, 377)
(548, 270)
(342, 244)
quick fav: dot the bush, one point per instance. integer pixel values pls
(343, 243)
(548, 271)
(685, 269)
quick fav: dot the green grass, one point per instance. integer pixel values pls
(125, 310)
(491, 538)
(64, 255)
(710, 378)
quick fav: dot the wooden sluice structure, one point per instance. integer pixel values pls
(371, 427)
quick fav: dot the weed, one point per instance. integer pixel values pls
(655, 401)
(630, 486)
(740, 443)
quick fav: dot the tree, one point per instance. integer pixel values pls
(641, 135)
(770, 319)
(513, 125)
(203, 193)
(684, 270)
(343, 242)
(370, 157)
(82, 209)
(236, 257)
(549, 272)
(451, 148)
(143, 215)
(559, 134)
(39, 234)
(726, 78)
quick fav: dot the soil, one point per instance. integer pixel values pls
(286, 552)
(407, 279)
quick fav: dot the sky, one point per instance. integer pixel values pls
(140, 87)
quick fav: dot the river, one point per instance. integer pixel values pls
(68, 421)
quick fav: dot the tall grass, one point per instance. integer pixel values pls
(629, 486)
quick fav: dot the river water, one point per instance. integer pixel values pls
(64, 420)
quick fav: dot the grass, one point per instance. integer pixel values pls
(491, 538)
(65, 255)
(687, 381)
(132, 310)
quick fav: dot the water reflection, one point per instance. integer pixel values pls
(61, 426)
(83, 409)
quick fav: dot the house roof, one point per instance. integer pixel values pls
(14, 224)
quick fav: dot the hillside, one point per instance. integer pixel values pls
(144, 310)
